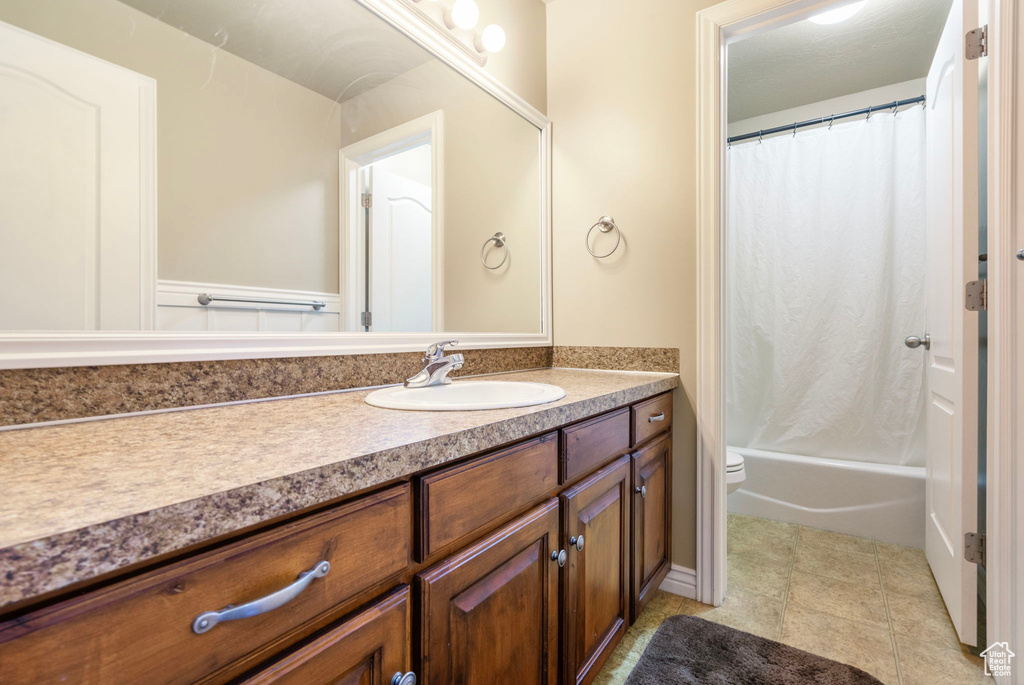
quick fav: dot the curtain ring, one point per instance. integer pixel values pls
(868, 117)
(760, 136)
(794, 129)
(499, 241)
(831, 121)
(895, 108)
(606, 224)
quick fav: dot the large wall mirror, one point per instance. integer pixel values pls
(283, 167)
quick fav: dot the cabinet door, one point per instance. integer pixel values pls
(490, 613)
(652, 520)
(368, 649)
(597, 576)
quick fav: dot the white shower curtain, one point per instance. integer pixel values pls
(825, 269)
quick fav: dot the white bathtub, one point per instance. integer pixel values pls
(869, 500)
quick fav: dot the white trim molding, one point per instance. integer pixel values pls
(41, 349)
(1005, 475)
(681, 581)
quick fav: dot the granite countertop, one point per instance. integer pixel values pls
(81, 500)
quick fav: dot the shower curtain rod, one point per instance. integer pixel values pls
(896, 104)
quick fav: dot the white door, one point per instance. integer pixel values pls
(401, 296)
(952, 369)
(77, 189)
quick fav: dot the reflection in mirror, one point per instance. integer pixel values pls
(241, 165)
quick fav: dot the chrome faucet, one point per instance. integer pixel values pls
(436, 366)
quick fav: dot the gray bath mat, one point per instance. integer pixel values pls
(688, 650)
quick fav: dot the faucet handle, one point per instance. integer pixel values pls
(436, 350)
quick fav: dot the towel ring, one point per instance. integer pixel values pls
(499, 240)
(606, 224)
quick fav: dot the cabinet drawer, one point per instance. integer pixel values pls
(369, 648)
(465, 500)
(652, 417)
(592, 443)
(141, 630)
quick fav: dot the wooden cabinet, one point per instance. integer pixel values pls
(531, 561)
(490, 613)
(368, 649)
(597, 573)
(142, 630)
(463, 501)
(652, 520)
(651, 417)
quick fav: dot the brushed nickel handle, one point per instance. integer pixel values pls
(207, 620)
(577, 542)
(656, 417)
(560, 556)
(642, 491)
(404, 678)
(913, 342)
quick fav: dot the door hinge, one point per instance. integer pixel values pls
(976, 43)
(974, 548)
(367, 200)
(366, 319)
(976, 295)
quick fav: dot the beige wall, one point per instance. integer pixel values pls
(492, 183)
(846, 103)
(621, 92)
(247, 160)
(522, 65)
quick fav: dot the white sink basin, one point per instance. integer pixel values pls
(466, 395)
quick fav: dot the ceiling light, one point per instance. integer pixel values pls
(492, 39)
(465, 14)
(838, 14)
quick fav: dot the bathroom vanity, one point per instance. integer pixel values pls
(522, 562)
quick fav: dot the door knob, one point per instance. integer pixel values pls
(577, 542)
(913, 342)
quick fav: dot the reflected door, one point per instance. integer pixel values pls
(952, 368)
(400, 278)
(77, 189)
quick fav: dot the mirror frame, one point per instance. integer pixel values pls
(43, 349)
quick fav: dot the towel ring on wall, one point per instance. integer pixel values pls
(499, 240)
(606, 224)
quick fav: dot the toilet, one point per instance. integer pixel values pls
(735, 474)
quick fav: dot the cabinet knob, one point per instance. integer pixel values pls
(404, 679)
(559, 555)
(642, 491)
(577, 541)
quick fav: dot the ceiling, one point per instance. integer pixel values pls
(334, 47)
(888, 41)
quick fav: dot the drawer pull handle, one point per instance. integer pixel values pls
(577, 542)
(206, 621)
(560, 556)
(404, 679)
(656, 417)
(642, 491)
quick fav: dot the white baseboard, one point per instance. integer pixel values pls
(681, 581)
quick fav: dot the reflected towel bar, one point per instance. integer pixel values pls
(205, 299)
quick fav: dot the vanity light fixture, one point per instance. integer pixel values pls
(457, 19)
(464, 14)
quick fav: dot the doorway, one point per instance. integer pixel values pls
(392, 243)
(946, 392)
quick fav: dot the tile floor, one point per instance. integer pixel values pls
(865, 603)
